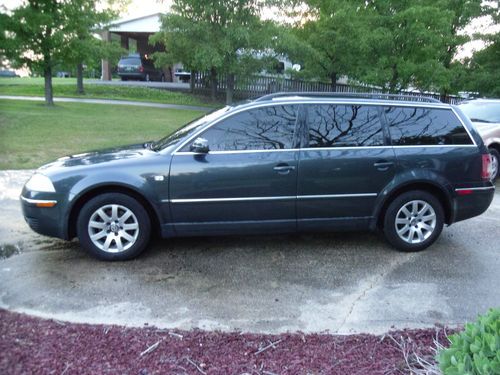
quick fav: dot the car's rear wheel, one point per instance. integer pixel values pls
(413, 221)
(495, 160)
(113, 226)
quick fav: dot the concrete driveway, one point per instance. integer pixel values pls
(342, 282)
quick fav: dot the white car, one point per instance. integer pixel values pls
(485, 115)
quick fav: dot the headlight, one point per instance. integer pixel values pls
(39, 182)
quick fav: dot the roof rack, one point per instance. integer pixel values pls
(415, 98)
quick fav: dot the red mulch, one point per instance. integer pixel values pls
(31, 345)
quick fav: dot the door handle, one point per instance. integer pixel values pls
(284, 168)
(383, 165)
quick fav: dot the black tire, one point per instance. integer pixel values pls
(414, 226)
(495, 154)
(123, 204)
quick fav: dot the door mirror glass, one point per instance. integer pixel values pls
(200, 146)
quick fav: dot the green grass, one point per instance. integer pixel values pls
(66, 87)
(32, 134)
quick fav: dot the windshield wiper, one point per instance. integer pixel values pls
(149, 145)
(480, 120)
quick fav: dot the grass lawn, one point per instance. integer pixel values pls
(32, 134)
(66, 87)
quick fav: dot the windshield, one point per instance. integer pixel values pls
(482, 111)
(189, 128)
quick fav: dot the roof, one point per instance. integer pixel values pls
(146, 24)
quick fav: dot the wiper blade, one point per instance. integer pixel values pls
(481, 120)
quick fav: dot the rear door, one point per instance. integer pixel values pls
(247, 182)
(344, 165)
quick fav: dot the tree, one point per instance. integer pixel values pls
(41, 33)
(218, 36)
(406, 43)
(331, 41)
(83, 17)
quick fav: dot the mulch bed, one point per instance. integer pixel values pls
(31, 345)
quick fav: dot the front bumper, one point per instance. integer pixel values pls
(42, 215)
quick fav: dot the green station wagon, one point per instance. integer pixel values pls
(288, 162)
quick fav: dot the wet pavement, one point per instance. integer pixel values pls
(344, 282)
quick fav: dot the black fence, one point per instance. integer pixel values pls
(251, 87)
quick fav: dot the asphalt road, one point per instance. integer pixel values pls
(343, 283)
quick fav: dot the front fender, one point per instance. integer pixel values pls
(142, 185)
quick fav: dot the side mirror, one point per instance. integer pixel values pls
(200, 146)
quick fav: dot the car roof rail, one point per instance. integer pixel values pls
(369, 95)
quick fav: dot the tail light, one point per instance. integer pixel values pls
(486, 167)
(141, 68)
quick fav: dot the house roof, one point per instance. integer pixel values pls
(146, 24)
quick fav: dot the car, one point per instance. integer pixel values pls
(290, 162)
(485, 115)
(8, 74)
(139, 67)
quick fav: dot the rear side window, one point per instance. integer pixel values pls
(332, 125)
(266, 128)
(425, 126)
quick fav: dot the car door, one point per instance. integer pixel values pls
(343, 166)
(246, 182)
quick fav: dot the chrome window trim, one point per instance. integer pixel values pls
(477, 188)
(37, 201)
(276, 198)
(311, 101)
(320, 149)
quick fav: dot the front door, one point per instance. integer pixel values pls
(247, 182)
(343, 167)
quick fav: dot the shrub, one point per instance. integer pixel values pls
(475, 350)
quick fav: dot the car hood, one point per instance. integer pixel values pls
(93, 158)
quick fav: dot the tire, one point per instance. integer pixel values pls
(123, 78)
(495, 163)
(123, 243)
(414, 235)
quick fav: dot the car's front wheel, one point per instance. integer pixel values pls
(113, 226)
(413, 221)
(495, 160)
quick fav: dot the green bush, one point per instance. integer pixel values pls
(475, 350)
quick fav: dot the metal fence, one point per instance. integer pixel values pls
(257, 85)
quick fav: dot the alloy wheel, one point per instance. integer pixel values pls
(113, 228)
(415, 221)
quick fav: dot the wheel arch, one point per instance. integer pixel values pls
(439, 192)
(110, 188)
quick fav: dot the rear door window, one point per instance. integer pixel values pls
(266, 128)
(339, 125)
(425, 126)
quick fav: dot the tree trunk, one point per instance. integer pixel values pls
(192, 81)
(229, 89)
(444, 96)
(79, 79)
(333, 82)
(394, 80)
(213, 83)
(49, 97)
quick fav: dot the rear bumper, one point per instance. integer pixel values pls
(132, 75)
(470, 202)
